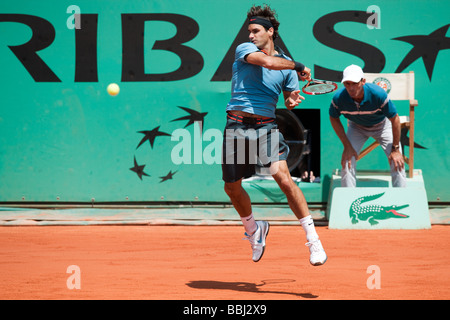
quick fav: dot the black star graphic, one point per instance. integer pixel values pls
(404, 139)
(151, 136)
(194, 116)
(425, 47)
(168, 176)
(139, 169)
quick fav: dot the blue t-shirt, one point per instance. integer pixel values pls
(255, 89)
(373, 109)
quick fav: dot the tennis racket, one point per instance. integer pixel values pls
(315, 87)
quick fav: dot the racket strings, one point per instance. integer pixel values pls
(319, 87)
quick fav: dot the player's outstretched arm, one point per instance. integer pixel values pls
(277, 63)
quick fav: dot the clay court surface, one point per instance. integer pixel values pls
(214, 263)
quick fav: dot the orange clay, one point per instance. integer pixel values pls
(212, 262)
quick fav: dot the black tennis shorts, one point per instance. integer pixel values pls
(250, 143)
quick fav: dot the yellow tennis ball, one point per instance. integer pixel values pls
(113, 89)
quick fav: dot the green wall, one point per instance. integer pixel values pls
(63, 138)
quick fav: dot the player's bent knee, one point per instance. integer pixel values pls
(232, 189)
(286, 184)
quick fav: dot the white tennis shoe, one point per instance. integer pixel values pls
(258, 240)
(317, 253)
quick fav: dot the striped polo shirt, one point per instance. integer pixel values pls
(375, 106)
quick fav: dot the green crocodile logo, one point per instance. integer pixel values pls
(374, 212)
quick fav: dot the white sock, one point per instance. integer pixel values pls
(308, 225)
(249, 224)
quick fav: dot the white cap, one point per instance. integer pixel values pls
(352, 73)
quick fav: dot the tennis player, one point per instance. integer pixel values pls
(261, 71)
(370, 113)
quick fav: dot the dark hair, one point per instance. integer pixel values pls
(266, 13)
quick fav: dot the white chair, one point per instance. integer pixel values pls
(400, 86)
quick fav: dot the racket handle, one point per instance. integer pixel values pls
(303, 74)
